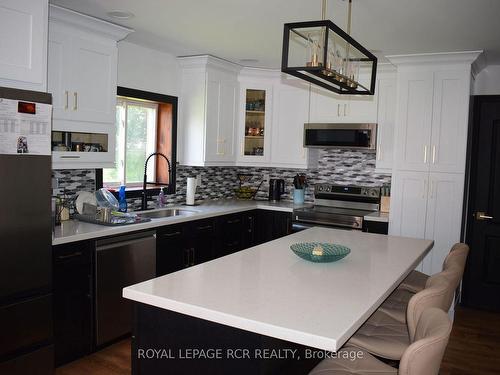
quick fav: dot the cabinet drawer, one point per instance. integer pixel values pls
(37, 362)
(74, 253)
(170, 232)
(25, 323)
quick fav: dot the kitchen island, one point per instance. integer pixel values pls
(265, 298)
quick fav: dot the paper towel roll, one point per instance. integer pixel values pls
(190, 190)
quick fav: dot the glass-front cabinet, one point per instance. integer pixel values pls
(255, 123)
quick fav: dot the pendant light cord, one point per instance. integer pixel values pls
(349, 12)
(323, 10)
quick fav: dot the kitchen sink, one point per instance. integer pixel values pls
(169, 212)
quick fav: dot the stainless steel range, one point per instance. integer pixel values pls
(338, 206)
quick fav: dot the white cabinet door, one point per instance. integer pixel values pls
(409, 192)
(444, 216)
(386, 119)
(290, 114)
(220, 121)
(449, 121)
(93, 87)
(23, 49)
(249, 118)
(413, 133)
(59, 73)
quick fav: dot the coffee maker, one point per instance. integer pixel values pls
(276, 188)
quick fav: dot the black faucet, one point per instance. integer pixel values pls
(144, 204)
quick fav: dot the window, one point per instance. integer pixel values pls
(135, 140)
(145, 123)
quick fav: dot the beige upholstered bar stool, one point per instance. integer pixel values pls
(416, 280)
(383, 336)
(422, 357)
(453, 268)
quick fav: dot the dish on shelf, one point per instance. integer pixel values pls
(320, 252)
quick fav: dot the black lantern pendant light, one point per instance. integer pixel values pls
(322, 53)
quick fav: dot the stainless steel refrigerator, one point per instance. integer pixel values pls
(25, 233)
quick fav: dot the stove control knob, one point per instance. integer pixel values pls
(320, 188)
(373, 192)
(356, 224)
(327, 189)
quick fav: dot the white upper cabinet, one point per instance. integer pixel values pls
(23, 49)
(329, 107)
(386, 121)
(82, 74)
(413, 133)
(208, 111)
(449, 121)
(290, 113)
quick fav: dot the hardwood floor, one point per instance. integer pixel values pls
(113, 360)
(473, 350)
(474, 347)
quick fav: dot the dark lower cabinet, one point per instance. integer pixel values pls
(375, 227)
(172, 251)
(230, 234)
(37, 362)
(272, 225)
(201, 241)
(72, 301)
(249, 228)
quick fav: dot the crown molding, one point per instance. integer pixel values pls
(208, 61)
(462, 57)
(479, 64)
(88, 23)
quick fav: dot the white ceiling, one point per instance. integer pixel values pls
(253, 29)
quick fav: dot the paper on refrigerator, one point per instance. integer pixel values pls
(25, 127)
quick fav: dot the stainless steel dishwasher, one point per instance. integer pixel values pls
(120, 262)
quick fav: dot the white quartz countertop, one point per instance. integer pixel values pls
(268, 290)
(382, 217)
(74, 230)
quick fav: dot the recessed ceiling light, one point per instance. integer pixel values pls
(120, 15)
(249, 61)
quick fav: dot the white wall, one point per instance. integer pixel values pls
(147, 69)
(488, 81)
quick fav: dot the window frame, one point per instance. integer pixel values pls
(138, 96)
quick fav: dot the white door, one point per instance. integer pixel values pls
(413, 132)
(386, 120)
(290, 114)
(449, 121)
(93, 91)
(444, 216)
(59, 74)
(23, 27)
(409, 192)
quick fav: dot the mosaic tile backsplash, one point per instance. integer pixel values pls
(335, 166)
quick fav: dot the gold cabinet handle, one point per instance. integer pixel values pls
(338, 110)
(345, 109)
(425, 154)
(433, 154)
(480, 215)
(66, 105)
(75, 103)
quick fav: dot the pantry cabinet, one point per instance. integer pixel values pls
(23, 49)
(82, 74)
(431, 146)
(207, 111)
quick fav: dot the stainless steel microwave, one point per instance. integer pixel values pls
(351, 136)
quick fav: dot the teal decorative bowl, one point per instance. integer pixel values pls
(320, 252)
